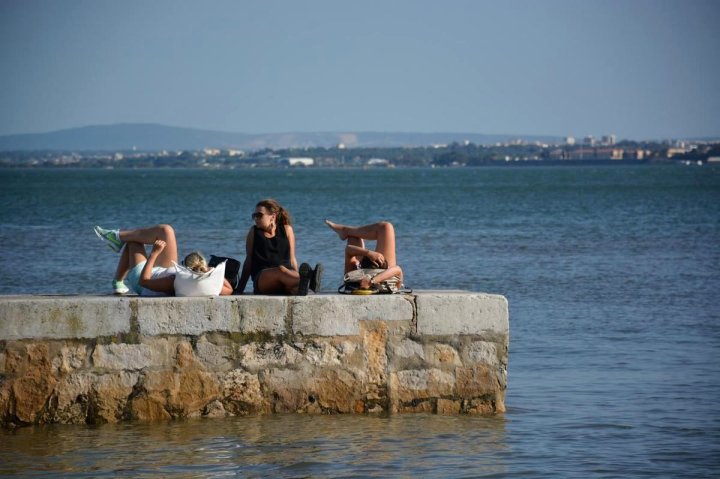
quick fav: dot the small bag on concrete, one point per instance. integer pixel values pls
(351, 283)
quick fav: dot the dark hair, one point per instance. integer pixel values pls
(273, 206)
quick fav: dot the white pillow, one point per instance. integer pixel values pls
(190, 283)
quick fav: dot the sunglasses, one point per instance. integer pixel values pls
(257, 216)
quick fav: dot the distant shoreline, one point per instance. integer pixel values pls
(499, 164)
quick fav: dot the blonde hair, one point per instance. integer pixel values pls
(196, 262)
(283, 217)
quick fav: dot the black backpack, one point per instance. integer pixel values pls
(232, 270)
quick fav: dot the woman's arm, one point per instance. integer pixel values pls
(291, 240)
(374, 256)
(226, 289)
(247, 265)
(366, 282)
(161, 285)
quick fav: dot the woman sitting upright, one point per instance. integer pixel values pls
(270, 255)
(357, 256)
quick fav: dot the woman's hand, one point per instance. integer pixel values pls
(377, 258)
(365, 283)
(158, 247)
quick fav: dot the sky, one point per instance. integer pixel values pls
(639, 69)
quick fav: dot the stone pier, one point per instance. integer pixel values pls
(93, 359)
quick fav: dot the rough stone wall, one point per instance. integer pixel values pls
(98, 360)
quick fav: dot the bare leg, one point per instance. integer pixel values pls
(143, 236)
(123, 264)
(368, 232)
(278, 280)
(351, 261)
(132, 255)
(136, 253)
(383, 232)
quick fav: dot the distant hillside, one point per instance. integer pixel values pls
(151, 137)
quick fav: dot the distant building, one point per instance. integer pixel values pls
(378, 162)
(676, 151)
(570, 141)
(297, 161)
(608, 140)
(588, 154)
(589, 141)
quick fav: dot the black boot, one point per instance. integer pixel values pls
(316, 277)
(304, 279)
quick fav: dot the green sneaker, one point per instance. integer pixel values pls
(119, 288)
(112, 237)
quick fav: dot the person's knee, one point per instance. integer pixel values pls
(167, 230)
(387, 226)
(286, 274)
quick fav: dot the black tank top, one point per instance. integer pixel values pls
(269, 252)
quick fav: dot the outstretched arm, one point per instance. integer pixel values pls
(226, 289)
(161, 285)
(291, 240)
(367, 283)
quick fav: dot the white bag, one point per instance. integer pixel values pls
(190, 283)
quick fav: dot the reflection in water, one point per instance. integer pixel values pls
(285, 445)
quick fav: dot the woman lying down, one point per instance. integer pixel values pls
(158, 274)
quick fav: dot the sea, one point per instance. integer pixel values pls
(612, 274)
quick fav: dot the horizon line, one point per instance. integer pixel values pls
(341, 132)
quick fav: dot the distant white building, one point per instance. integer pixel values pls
(297, 161)
(609, 140)
(570, 140)
(378, 162)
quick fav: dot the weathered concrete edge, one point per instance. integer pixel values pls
(428, 312)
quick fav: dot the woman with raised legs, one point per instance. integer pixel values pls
(357, 255)
(154, 274)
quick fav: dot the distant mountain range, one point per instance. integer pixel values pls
(152, 137)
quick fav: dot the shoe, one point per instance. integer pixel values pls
(112, 237)
(119, 288)
(316, 277)
(304, 279)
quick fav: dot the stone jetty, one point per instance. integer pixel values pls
(99, 359)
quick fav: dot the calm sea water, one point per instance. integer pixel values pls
(612, 275)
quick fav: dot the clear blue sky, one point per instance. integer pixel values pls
(639, 69)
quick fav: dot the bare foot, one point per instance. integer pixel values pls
(339, 229)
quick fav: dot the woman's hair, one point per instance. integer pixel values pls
(196, 262)
(274, 207)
